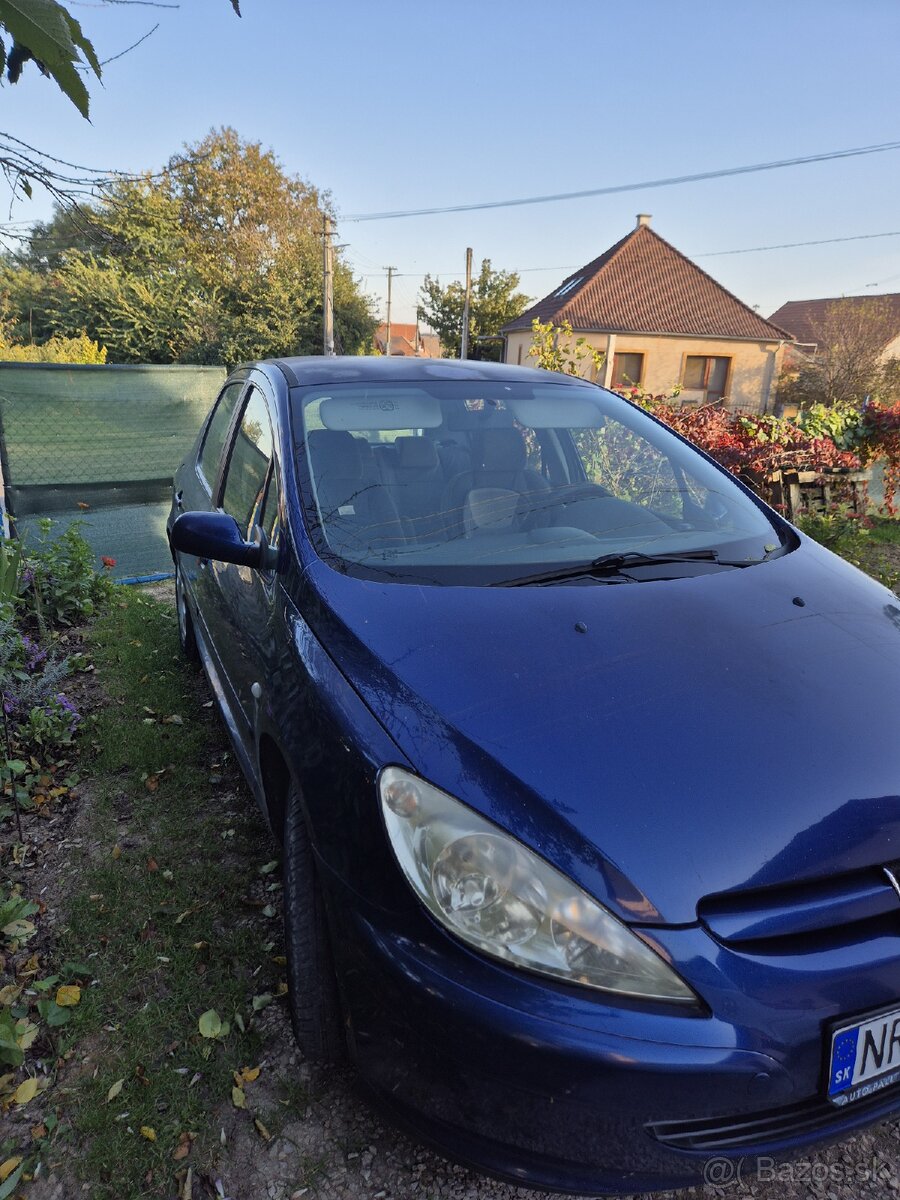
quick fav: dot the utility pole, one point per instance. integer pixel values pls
(327, 288)
(464, 344)
(387, 324)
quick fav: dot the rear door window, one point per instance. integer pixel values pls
(248, 464)
(217, 431)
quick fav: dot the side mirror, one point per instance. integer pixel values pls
(217, 536)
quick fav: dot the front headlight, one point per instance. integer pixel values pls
(503, 899)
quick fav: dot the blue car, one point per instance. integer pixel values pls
(584, 762)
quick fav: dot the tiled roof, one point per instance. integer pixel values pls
(398, 330)
(804, 318)
(644, 285)
(403, 339)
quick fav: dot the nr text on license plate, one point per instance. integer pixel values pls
(864, 1057)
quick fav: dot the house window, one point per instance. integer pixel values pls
(628, 370)
(707, 375)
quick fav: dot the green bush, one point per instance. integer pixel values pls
(839, 528)
(61, 585)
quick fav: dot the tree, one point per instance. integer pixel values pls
(494, 303)
(45, 32)
(847, 367)
(555, 348)
(216, 259)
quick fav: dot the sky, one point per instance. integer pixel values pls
(418, 104)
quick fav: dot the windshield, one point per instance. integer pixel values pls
(479, 482)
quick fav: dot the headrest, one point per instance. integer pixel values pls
(502, 450)
(335, 453)
(492, 509)
(417, 452)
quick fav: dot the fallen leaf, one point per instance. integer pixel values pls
(6, 1189)
(117, 851)
(31, 967)
(261, 1130)
(210, 1024)
(249, 1074)
(7, 1168)
(152, 864)
(26, 1091)
(148, 1132)
(38, 1132)
(174, 719)
(183, 1149)
(238, 1099)
(269, 867)
(262, 1001)
(151, 783)
(114, 1090)
(68, 995)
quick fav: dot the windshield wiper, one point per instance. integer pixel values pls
(616, 564)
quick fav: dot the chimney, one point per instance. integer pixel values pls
(643, 219)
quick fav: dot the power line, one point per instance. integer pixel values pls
(856, 237)
(797, 161)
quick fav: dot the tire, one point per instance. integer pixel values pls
(186, 636)
(312, 986)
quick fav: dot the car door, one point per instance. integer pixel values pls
(197, 489)
(245, 597)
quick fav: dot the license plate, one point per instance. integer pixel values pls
(865, 1057)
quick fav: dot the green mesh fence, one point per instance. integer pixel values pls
(100, 444)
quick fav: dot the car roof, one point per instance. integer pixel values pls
(317, 369)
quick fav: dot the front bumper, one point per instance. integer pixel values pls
(545, 1086)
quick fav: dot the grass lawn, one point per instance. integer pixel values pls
(173, 904)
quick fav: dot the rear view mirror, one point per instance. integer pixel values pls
(217, 536)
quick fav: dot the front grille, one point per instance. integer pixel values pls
(801, 916)
(769, 1129)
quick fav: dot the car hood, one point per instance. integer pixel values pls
(659, 741)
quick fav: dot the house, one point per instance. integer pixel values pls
(808, 320)
(662, 322)
(408, 341)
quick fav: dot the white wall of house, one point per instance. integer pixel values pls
(754, 366)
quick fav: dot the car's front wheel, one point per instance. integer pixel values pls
(312, 987)
(186, 635)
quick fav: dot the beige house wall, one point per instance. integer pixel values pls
(754, 367)
(892, 349)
